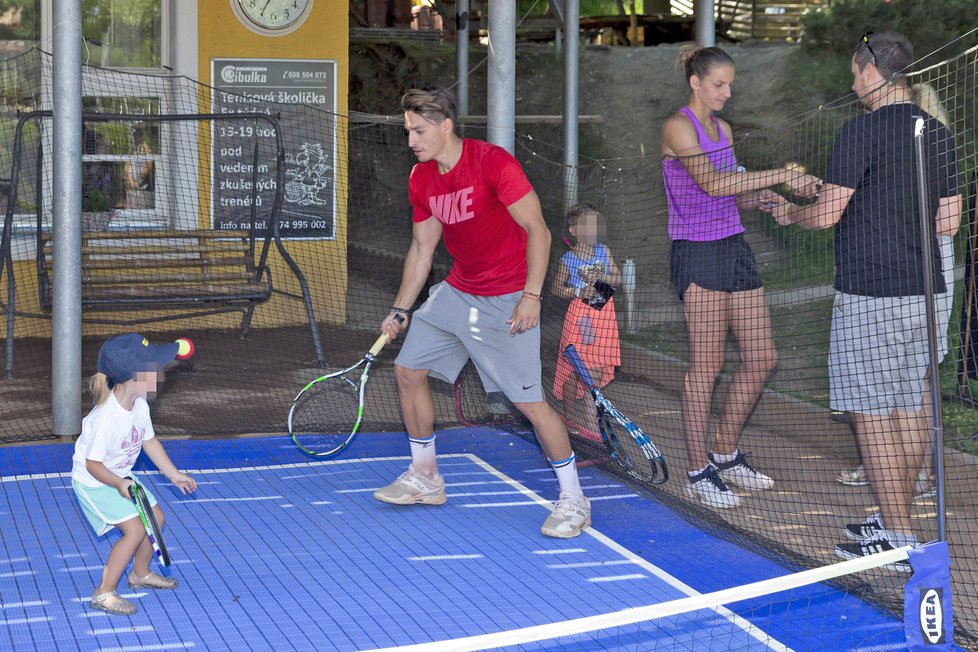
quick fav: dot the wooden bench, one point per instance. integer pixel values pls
(162, 270)
(174, 273)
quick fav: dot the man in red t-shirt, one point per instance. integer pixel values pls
(477, 197)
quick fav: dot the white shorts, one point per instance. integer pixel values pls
(453, 327)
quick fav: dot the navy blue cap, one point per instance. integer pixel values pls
(123, 355)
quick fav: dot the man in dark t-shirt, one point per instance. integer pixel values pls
(879, 355)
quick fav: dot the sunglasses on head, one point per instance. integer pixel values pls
(869, 47)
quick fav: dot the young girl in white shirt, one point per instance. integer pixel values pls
(129, 368)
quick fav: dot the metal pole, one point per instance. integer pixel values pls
(927, 246)
(66, 207)
(705, 23)
(462, 55)
(572, 21)
(501, 87)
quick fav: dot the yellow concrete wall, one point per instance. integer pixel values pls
(324, 35)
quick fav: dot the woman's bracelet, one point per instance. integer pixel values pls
(532, 295)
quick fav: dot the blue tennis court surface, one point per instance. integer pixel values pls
(277, 551)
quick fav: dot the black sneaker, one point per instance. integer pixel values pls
(871, 547)
(868, 529)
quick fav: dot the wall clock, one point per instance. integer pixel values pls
(272, 17)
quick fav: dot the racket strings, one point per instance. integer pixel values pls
(634, 458)
(326, 413)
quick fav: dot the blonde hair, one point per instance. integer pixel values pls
(697, 60)
(926, 97)
(98, 386)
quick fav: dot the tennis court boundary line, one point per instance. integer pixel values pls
(237, 469)
(660, 574)
(671, 608)
(749, 628)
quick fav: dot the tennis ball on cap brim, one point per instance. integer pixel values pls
(185, 348)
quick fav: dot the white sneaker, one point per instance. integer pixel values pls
(571, 515)
(741, 474)
(710, 490)
(412, 488)
(925, 486)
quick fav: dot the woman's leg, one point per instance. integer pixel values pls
(750, 321)
(706, 321)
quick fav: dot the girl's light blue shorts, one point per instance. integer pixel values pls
(104, 506)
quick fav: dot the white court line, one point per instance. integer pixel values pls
(537, 499)
(26, 621)
(474, 483)
(445, 557)
(547, 470)
(245, 499)
(465, 494)
(186, 645)
(128, 596)
(121, 630)
(237, 469)
(559, 551)
(16, 574)
(592, 564)
(79, 569)
(617, 578)
(21, 605)
(648, 566)
(534, 502)
(14, 560)
(670, 608)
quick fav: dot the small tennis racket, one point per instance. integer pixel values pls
(148, 517)
(326, 414)
(627, 443)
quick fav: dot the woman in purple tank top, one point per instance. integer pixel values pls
(714, 272)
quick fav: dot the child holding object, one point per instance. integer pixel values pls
(587, 275)
(129, 369)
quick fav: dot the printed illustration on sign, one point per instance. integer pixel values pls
(309, 176)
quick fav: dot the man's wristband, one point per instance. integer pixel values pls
(532, 295)
(406, 311)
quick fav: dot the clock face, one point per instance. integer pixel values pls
(274, 15)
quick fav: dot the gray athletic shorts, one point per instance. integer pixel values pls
(453, 327)
(878, 355)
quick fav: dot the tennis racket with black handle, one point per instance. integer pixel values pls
(628, 444)
(326, 414)
(148, 517)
